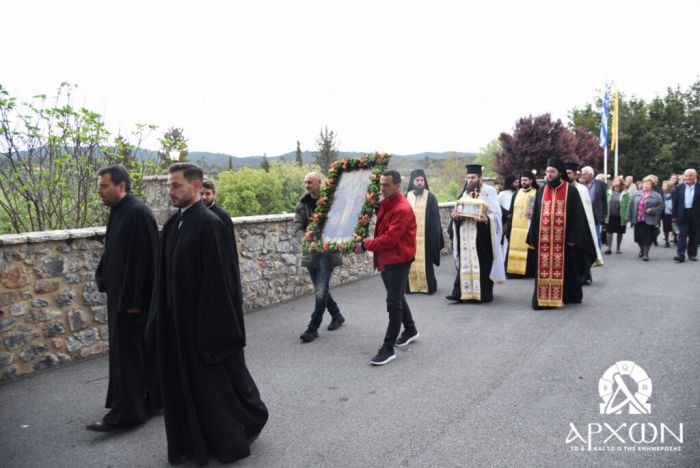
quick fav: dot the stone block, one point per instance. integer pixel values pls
(31, 352)
(19, 309)
(16, 340)
(65, 297)
(98, 348)
(47, 362)
(16, 276)
(253, 243)
(99, 313)
(92, 296)
(77, 319)
(7, 298)
(46, 286)
(48, 314)
(39, 303)
(54, 329)
(55, 266)
(6, 325)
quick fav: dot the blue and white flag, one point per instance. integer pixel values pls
(603, 140)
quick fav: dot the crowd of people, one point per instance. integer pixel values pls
(174, 300)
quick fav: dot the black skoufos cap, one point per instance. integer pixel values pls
(474, 169)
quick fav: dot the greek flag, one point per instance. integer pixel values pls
(604, 122)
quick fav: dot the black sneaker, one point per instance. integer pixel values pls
(336, 323)
(384, 355)
(406, 338)
(309, 335)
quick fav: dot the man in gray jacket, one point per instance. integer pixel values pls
(320, 265)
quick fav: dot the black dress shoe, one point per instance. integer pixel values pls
(693, 259)
(452, 297)
(679, 258)
(336, 323)
(101, 426)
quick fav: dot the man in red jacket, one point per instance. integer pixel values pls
(394, 247)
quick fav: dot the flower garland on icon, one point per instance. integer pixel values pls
(378, 162)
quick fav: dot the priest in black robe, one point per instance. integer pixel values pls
(559, 283)
(125, 273)
(211, 404)
(429, 237)
(485, 239)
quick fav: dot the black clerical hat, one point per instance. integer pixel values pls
(527, 174)
(474, 169)
(558, 164)
(571, 166)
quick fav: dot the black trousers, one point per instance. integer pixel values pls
(687, 235)
(395, 278)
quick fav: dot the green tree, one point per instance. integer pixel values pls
(50, 152)
(487, 157)
(250, 191)
(327, 148)
(657, 137)
(299, 160)
(173, 140)
(264, 163)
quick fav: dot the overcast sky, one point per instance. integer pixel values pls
(253, 77)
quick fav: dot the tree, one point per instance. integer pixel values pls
(657, 137)
(587, 151)
(249, 191)
(327, 148)
(230, 163)
(50, 153)
(173, 140)
(298, 155)
(534, 140)
(487, 157)
(264, 163)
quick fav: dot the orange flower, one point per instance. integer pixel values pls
(326, 245)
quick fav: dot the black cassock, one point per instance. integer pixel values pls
(211, 403)
(126, 273)
(577, 256)
(531, 262)
(484, 250)
(434, 241)
(226, 219)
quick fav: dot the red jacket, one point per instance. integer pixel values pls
(395, 234)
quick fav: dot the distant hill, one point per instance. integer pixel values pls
(221, 159)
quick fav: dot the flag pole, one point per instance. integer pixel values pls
(617, 128)
(605, 162)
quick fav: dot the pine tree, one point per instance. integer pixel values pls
(298, 159)
(327, 148)
(264, 163)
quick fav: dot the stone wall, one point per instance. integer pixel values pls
(51, 311)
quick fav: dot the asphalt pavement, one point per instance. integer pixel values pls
(485, 385)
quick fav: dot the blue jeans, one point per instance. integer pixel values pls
(321, 278)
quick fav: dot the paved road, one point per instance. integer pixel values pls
(494, 385)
